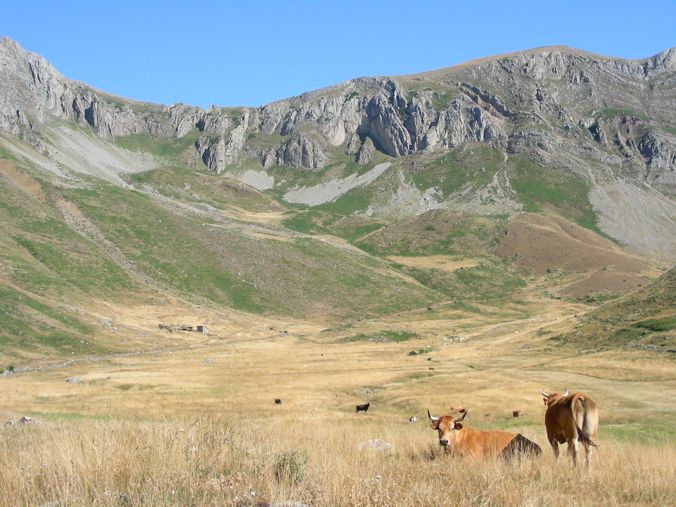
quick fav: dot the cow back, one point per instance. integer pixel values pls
(520, 445)
(473, 442)
(560, 419)
(565, 414)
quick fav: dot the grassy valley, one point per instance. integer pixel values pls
(466, 271)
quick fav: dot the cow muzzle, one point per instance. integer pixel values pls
(443, 442)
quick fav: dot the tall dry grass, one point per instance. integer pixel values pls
(212, 461)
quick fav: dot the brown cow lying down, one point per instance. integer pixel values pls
(458, 439)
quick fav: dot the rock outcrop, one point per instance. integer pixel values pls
(365, 152)
(301, 151)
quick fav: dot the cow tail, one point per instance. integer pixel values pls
(583, 437)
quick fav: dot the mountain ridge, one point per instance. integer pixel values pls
(607, 122)
(666, 55)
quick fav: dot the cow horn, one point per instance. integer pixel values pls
(565, 391)
(464, 414)
(544, 394)
(432, 418)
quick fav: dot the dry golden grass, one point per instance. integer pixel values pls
(214, 461)
(197, 425)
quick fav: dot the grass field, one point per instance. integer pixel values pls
(215, 461)
(197, 425)
(324, 309)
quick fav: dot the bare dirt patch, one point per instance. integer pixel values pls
(604, 281)
(542, 242)
(265, 217)
(21, 180)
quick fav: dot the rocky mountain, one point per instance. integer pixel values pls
(527, 102)
(547, 172)
(606, 122)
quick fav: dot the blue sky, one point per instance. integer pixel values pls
(250, 53)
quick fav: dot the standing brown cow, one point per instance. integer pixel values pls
(571, 418)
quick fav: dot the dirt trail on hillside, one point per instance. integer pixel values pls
(20, 180)
(442, 262)
(263, 217)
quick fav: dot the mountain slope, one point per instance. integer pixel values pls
(644, 319)
(70, 244)
(456, 190)
(605, 124)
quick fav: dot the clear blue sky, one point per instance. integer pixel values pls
(253, 52)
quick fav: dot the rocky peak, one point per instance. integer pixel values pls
(29, 83)
(487, 101)
(663, 61)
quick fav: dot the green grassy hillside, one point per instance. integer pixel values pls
(146, 244)
(211, 240)
(205, 258)
(644, 319)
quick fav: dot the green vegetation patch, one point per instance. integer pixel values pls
(360, 283)
(169, 148)
(418, 352)
(264, 141)
(357, 199)
(664, 324)
(441, 99)
(386, 336)
(473, 165)
(225, 265)
(290, 466)
(438, 232)
(644, 320)
(6, 154)
(613, 112)
(28, 324)
(538, 187)
(48, 257)
(490, 282)
(66, 267)
(184, 183)
(601, 297)
(320, 221)
(180, 251)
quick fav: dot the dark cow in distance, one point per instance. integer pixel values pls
(362, 408)
(571, 418)
(460, 440)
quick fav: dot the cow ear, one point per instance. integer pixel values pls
(457, 426)
(434, 425)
